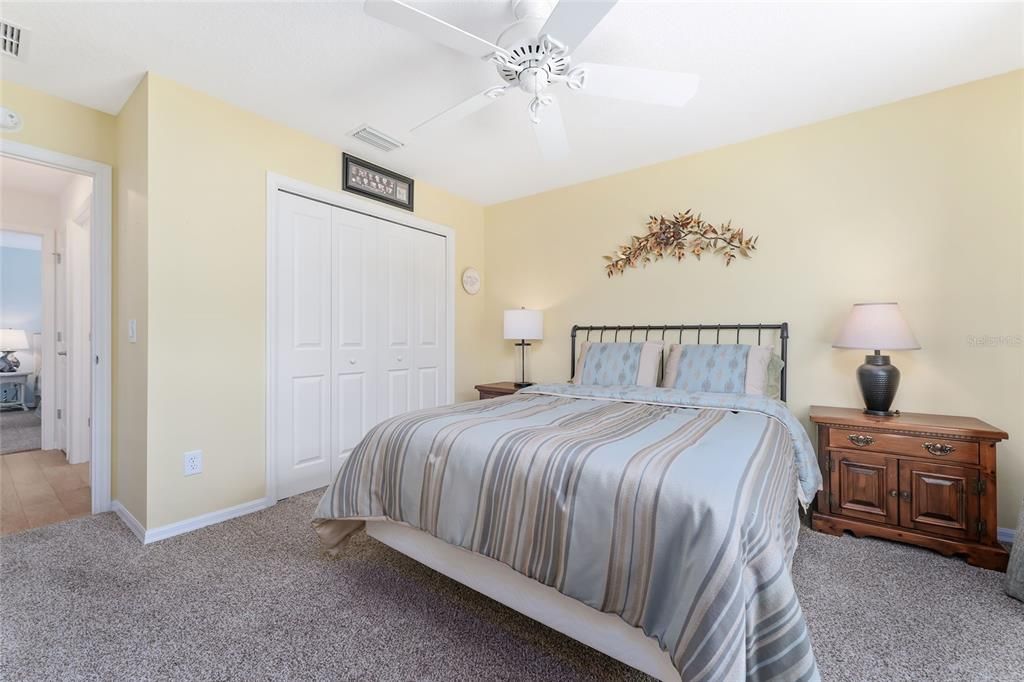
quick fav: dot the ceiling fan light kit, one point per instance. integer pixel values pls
(534, 55)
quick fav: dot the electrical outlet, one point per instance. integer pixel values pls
(193, 462)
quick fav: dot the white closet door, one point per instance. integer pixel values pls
(430, 352)
(395, 319)
(355, 330)
(303, 337)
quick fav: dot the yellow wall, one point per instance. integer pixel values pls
(59, 125)
(207, 306)
(918, 202)
(130, 301)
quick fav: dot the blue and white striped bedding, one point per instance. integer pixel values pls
(677, 511)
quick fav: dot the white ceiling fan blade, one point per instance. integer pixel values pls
(550, 132)
(572, 20)
(412, 19)
(650, 86)
(461, 110)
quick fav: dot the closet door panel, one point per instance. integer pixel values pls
(397, 276)
(354, 331)
(303, 337)
(430, 320)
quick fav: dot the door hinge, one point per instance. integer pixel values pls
(59, 413)
(982, 527)
(979, 486)
(831, 500)
(57, 257)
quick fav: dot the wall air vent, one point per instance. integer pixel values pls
(12, 40)
(376, 138)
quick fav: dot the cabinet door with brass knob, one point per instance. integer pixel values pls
(940, 499)
(864, 485)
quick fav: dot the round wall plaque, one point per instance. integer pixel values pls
(471, 281)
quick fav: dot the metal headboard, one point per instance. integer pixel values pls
(643, 333)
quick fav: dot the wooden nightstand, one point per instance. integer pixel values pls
(924, 479)
(496, 389)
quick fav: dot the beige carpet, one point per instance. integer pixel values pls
(254, 599)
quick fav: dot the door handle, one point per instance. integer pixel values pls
(905, 495)
(352, 361)
(399, 358)
(62, 352)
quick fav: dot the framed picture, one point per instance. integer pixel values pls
(369, 180)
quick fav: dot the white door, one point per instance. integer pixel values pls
(354, 357)
(79, 345)
(430, 320)
(395, 319)
(303, 345)
(360, 333)
(61, 341)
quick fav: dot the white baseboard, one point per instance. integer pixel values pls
(1006, 535)
(129, 520)
(188, 525)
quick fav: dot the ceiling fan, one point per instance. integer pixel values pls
(534, 54)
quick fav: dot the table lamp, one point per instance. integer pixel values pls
(524, 325)
(877, 326)
(11, 340)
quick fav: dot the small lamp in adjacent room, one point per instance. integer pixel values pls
(11, 340)
(524, 325)
(877, 327)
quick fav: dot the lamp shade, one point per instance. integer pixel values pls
(524, 324)
(876, 326)
(13, 339)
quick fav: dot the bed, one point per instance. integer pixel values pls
(653, 524)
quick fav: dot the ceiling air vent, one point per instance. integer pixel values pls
(376, 138)
(12, 39)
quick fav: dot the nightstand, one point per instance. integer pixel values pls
(496, 390)
(923, 479)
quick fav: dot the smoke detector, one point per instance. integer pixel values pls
(13, 40)
(9, 120)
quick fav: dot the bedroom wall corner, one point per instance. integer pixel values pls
(129, 438)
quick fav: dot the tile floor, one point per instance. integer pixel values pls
(39, 487)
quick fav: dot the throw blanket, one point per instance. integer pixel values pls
(677, 511)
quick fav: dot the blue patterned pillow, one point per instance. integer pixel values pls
(713, 369)
(611, 364)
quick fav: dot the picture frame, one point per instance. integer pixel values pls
(374, 182)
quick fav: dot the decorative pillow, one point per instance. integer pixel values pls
(718, 368)
(618, 364)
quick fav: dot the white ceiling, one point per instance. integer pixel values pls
(326, 68)
(23, 176)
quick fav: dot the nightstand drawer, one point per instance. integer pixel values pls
(938, 449)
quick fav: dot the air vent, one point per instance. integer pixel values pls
(376, 138)
(12, 40)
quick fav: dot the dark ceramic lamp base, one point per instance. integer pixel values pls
(878, 383)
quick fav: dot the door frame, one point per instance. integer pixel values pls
(280, 183)
(101, 323)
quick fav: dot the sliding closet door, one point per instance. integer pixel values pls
(355, 330)
(303, 345)
(395, 319)
(430, 325)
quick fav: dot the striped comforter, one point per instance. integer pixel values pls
(677, 511)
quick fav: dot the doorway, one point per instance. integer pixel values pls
(58, 375)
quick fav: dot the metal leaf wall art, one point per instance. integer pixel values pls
(675, 237)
